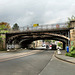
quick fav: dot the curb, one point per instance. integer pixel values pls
(63, 59)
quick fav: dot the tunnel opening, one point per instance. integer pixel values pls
(24, 41)
(31, 44)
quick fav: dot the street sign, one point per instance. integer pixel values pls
(35, 25)
(57, 26)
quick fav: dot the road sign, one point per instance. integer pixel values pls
(35, 25)
(57, 26)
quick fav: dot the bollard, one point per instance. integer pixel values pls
(8, 50)
(58, 51)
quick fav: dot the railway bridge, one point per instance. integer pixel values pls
(26, 35)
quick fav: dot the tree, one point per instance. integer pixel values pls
(15, 27)
(48, 41)
(70, 19)
(53, 41)
(60, 44)
(4, 26)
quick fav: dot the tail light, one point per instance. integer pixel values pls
(50, 45)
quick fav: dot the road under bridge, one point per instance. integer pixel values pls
(24, 38)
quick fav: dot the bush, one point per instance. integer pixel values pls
(72, 52)
(72, 48)
(2, 49)
(69, 54)
(60, 45)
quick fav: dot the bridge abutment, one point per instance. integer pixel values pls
(72, 33)
(72, 37)
(3, 41)
(64, 45)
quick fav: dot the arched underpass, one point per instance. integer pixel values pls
(24, 40)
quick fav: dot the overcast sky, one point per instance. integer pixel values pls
(28, 12)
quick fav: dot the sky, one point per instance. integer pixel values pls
(29, 12)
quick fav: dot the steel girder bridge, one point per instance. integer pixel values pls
(26, 35)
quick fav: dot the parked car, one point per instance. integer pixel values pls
(50, 46)
(54, 47)
(47, 46)
(43, 45)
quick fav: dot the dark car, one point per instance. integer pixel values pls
(47, 46)
(54, 47)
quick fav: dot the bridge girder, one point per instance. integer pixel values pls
(38, 35)
(28, 37)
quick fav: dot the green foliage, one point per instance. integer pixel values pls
(15, 27)
(0, 38)
(60, 44)
(69, 54)
(4, 31)
(72, 52)
(1, 43)
(4, 26)
(70, 19)
(53, 41)
(2, 49)
(48, 41)
(72, 48)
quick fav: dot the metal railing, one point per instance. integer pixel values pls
(42, 27)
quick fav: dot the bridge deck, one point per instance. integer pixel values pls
(40, 30)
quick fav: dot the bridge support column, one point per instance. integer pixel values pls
(64, 45)
(68, 37)
(72, 37)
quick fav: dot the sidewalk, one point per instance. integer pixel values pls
(65, 58)
(56, 67)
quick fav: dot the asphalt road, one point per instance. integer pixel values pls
(33, 62)
(58, 67)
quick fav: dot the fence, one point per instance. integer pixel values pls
(42, 27)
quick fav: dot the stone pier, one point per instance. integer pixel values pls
(72, 33)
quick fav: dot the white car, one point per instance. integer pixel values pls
(43, 45)
(50, 46)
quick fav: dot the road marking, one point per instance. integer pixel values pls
(51, 59)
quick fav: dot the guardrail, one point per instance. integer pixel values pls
(41, 27)
(44, 27)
